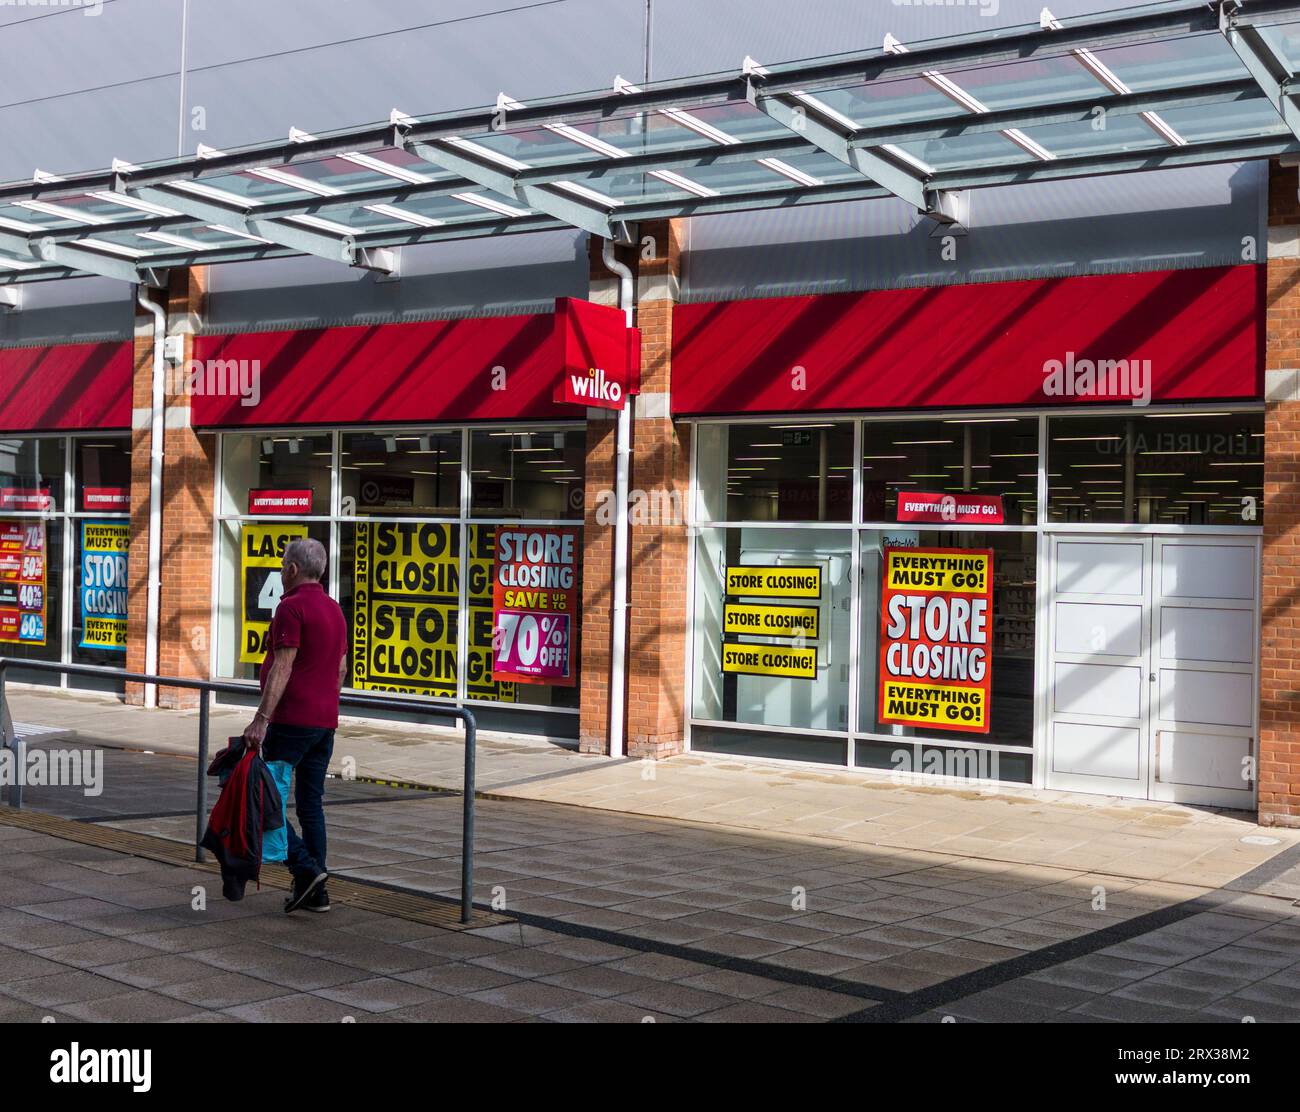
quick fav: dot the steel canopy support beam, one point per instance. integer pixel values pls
(1270, 72)
(340, 249)
(52, 254)
(537, 197)
(804, 120)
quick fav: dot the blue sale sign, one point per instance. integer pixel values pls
(104, 584)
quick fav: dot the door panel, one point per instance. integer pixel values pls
(1106, 568)
(1194, 698)
(1087, 627)
(1098, 690)
(1203, 720)
(1202, 762)
(1196, 569)
(1098, 648)
(1206, 633)
(1153, 656)
(1113, 752)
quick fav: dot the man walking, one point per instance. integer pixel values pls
(301, 677)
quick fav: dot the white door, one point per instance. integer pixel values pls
(1204, 649)
(1097, 665)
(1152, 667)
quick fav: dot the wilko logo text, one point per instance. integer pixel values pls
(597, 388)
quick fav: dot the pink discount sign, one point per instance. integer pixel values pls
(535, 605)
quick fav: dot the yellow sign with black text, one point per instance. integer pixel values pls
(770, 660)
(947, 708)
(260, 550)
(762, 581)
(406, 610)
(771, 621)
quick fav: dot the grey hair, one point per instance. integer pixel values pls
(309, 554)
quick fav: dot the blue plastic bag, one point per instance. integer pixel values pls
(275, 843)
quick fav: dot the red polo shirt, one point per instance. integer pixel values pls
(308, 620)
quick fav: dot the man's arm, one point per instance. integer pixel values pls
(276, 681)
(343, 670)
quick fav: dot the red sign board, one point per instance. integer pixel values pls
(105, 499)
(960, 509)
(535, 605)
(279, 501)
(599, 355)
(25, 498)
(1182, 335)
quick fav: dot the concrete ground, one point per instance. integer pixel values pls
(798, 896)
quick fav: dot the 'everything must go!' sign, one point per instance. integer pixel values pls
(936, 616)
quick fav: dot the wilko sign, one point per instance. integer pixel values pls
(595, 388)
(599, 355)
(279, 501)
(105, 499)
(936, 624)
(25, 498)
(535, 605)
(960, 509)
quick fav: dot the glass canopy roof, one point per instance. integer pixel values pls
(1168, 84)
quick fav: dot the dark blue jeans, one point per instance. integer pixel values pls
(308, 750)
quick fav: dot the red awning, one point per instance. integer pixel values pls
(479, 369)
(985, 345)
(66, 387)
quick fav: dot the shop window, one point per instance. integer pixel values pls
(401, 474)
(1157, 469)
(249, 587)
(102, 468)
(268, 473)
(31, 592)
(31, 475)
(995, 459)
(400, 593)
(772, 629)
(536, 475)
(945, 652)
(777, 472)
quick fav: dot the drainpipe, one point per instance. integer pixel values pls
(153, 605)
(623, 457)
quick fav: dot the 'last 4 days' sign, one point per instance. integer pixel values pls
(936, 618)
(261, 548)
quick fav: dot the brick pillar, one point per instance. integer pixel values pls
(1279, 740)
(659, 546)
(185, 610)
(598, 541)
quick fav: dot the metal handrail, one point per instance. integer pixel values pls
(208, 687)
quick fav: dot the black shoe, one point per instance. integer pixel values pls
(319, 900)
(233, 888)
(303, 887)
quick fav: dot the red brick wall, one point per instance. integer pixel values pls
(189, 460)
(657, 629)
(1279, 763)
(658, 556)
(597, 560)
